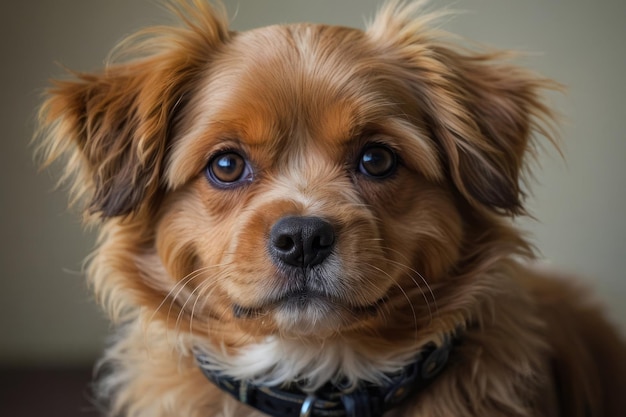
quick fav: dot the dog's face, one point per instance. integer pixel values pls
(302, 186)
(298, 179)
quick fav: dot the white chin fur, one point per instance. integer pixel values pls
(278, 361)
(317, 318)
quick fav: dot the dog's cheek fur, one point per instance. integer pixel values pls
(191, 242)
(428, 211)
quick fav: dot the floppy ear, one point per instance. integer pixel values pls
(481, 111)
(484, 116)
(114, 126)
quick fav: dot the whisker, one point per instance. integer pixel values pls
(195, 274)
(182, 308)
(430, 290)
(403, 292)
(204, 294)
(193, 307)
(174, 294)
(419, 287)
(178, 287)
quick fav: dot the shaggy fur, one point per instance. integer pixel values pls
(182, 260)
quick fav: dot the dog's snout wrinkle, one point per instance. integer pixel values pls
(301, 241)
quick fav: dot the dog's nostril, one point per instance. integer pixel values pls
(323, 241)
(301, 241)
(284, 243)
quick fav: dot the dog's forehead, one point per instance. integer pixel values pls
(284, 88)
(276, 80)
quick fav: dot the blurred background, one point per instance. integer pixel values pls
(50, 329)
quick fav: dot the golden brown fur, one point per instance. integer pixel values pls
(429, 247)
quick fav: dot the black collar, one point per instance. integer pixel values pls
(367, 400)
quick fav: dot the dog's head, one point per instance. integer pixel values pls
(299, 179)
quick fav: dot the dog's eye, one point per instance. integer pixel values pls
(377, 161)
(228, 168)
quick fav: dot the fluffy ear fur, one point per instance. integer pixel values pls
(114, 126)
(481, 111)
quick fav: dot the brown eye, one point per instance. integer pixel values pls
(228, 169)
(377, 161)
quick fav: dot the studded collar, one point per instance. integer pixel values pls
(367, 400)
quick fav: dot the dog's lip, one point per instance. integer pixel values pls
(296, 298)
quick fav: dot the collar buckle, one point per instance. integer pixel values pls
(307, 406)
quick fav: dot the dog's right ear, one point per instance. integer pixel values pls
(114, 126)
(482, 112)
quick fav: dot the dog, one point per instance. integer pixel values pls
(309, 220)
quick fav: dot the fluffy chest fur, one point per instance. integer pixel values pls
(275, 361)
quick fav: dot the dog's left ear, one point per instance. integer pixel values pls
(114, 127)
(483, 115)
(481, 111)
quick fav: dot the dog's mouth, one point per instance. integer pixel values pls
(302, 301)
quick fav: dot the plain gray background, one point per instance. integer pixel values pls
(46, 313)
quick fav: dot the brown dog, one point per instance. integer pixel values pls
(308, 220)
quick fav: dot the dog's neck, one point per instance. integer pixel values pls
(276, 361)
(295, 377)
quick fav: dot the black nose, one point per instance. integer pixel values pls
(301, 241)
